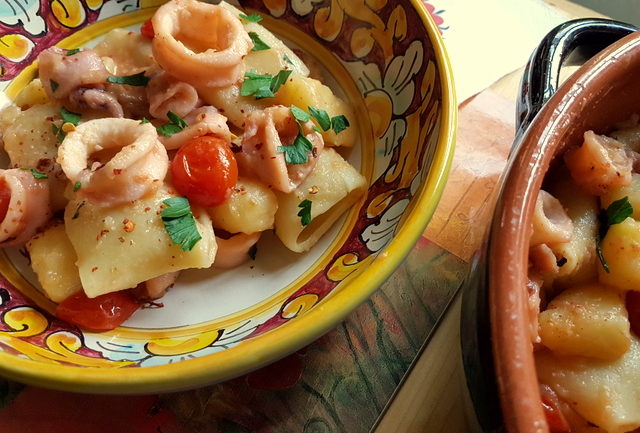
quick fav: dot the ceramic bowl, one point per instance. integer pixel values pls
(605, 90)
(387, 58)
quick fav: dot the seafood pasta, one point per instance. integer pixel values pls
(584, 288)
(171, 148)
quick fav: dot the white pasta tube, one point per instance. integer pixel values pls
(600, 164)
(201, 121)
(201, 43)
(551, 224)
(166, 94)
(137, 168)
(234, 251)
(332, 188)
(28, 208)
(266, 133)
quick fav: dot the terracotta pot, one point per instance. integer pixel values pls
(605, 90)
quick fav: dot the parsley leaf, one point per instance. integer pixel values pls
(287, 59)
(73, 51)
(258, 44)
(263, 85)
(255, 82)
(77, 186)
(144, 120)
(37, 174)
(138, 79)
(339, 123)
(300, 114)
(305, 212)
(179, 223)
(69, 117)
(296, 153)
(322, 117)
(253, 18)
(54, 85)
(175, 124)
(617, 212)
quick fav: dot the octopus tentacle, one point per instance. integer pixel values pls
(28, 208)
(234, 251)
(202, 43)
(137, 169)
(265, 132)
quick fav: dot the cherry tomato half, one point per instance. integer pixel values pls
(5, 198)
(205, 170)
(147, 29)
(102, 313)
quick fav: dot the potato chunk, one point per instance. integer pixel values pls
(621, 251)
(632, 192)
(251, 208)
(589, 320)
(53, 259)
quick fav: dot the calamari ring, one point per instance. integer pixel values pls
(28, 208)
(166, 93)
(202, 44)
(138, 168)
(201, 121)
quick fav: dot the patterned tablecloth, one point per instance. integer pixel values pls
(343, 381)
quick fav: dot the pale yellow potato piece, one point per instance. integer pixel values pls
(621, 251)
(53, 259)
(605, 393)
(306, 92)
(632, 192)
(251, 208)
(29, 138)
(122, 246)
(588, 320)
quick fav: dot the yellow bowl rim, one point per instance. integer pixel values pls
(289, 337)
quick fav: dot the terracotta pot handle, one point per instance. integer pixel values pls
(571, 43)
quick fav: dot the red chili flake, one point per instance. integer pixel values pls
(117, 171)
(101, 234)
(95, 268)
(129, 225)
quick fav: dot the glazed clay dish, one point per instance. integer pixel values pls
(603, 93)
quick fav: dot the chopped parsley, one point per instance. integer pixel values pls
(77, 186)
(77, 213)
(258, 44)
(339, 123)
(67, 117)
(180, 223)
(144, 120)
(73, 51)
(321, 117)
(296, 153)
(175, 124)
(263, 85)
(54, 85)
(253, 18)
(300, 114)
(138, 79)
(305, 212)
(37, 174)
(617, 212)
(287, 59)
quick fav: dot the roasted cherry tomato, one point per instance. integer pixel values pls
(5, 198)
(205, 170)
(147, 29)
(101, 313)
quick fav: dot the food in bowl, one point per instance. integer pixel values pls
(165, 150)
(584, 259)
